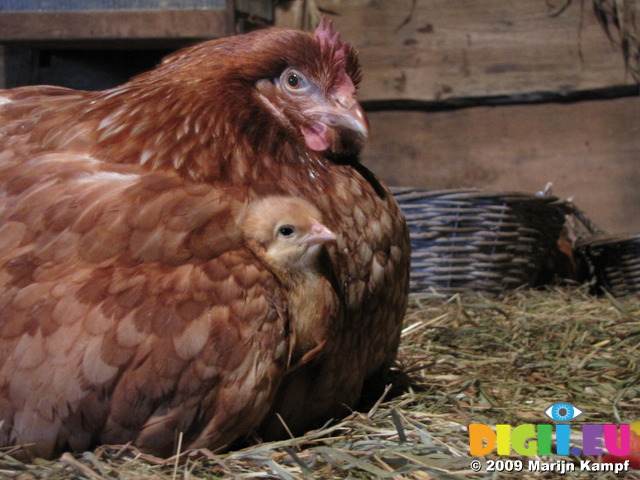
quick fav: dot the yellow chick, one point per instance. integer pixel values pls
(287, 234)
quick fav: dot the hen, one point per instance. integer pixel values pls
(133, 308)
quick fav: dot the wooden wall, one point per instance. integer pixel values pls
(544, 70)
(437, 55)
(2, 72)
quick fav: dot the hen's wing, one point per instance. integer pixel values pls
(129, 309)
(37, 119)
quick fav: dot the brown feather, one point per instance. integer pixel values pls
(134, 307)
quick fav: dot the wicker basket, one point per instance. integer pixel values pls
(615, 263)
(470, 240)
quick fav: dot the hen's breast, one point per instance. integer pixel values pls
(370, 261)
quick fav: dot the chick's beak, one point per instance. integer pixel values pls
(318, 234)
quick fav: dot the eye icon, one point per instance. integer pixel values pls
(562, 412)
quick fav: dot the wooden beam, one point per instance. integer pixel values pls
(589, 150)
(33, 27)
(2, 68)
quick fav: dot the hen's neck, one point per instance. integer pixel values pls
(224, 139)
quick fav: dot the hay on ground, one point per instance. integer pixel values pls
(462, 360)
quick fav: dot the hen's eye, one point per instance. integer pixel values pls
(293, 80)
(286, 230)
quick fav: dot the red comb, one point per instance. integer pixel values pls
(324, 34)
(328, 39)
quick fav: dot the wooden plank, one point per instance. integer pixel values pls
(263, 9)
(116, 25)
(296, 14)
(438, 49)
(589, 150)
(3, 74)
(78, 5)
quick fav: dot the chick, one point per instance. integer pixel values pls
(287, 234)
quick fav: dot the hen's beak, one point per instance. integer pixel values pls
(351, 117)
(318, 234)
(343, 113)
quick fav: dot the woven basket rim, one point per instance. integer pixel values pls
(471, 194)
(471, 239)
(609, 240)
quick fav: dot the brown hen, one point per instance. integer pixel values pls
(132, 308)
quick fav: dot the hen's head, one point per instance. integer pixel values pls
(286, 232)
(277, 85)
(314, 92)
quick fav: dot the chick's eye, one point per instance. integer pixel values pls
(286, 230)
